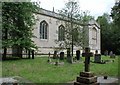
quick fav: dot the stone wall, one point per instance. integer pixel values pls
(54, 21)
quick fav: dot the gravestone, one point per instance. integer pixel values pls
(97, 57)
(55, 55)
(32, 54)
(78, 54)
(57, 60)
(29, 54)
(111, 54)
(106, 53)
(86, 77)
(61, 55)
(49, 60)
(69, 57)
(68, 52)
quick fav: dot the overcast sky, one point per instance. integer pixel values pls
(95, 7)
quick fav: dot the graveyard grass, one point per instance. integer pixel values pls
(38, 70)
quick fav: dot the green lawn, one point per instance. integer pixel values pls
(38, 70)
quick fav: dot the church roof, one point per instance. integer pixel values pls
(61, 17)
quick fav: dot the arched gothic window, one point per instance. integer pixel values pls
(61, 33)
(94, 36)
(43, 30)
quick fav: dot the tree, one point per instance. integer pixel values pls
(109, 32)
(115, 14)
(75, 24)
(70, 12)
(18, 20)
(105, 32)
(85, 18)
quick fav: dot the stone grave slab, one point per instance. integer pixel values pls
(15, 80)
(108, 81)
(8, 81)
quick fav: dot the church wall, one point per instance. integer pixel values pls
(94, 38)
(47, 45)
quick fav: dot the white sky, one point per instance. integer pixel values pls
(96, 7)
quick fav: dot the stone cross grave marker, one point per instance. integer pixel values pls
(87, 55)
(86, 77)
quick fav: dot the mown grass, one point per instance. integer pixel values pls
(38, 70)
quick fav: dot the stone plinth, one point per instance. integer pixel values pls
(86, 78)
(86, 74)
(77, 83)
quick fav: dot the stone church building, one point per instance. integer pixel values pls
(46, 31)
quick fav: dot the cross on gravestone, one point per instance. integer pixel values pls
(87, 55)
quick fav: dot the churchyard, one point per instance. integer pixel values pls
(30, 32)
(39, 70)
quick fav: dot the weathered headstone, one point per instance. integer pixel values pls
(61, 55)
(78, 54)
(86, 77)
(32, 54)
(106, 53)
(68, 52)
(97, 57)
(69, 57)
(29, 54)
(55, 55)
(111, 54)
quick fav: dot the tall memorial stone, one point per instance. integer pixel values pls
(69, 57)
(32, 54)
(55, 55)
(78, 54)
(86, 77)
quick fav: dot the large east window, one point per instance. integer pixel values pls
(43, 30)
(94, 36)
